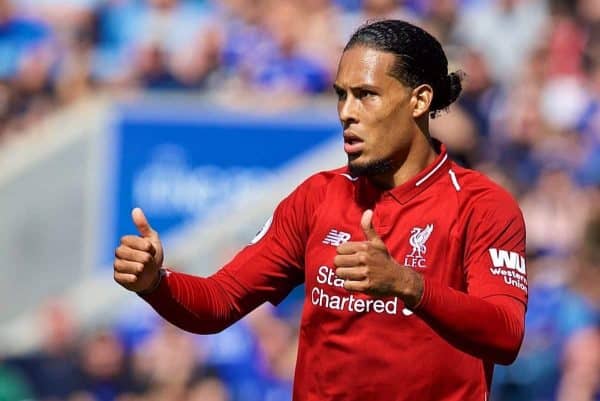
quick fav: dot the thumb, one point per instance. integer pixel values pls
(366, 222)
(140, 221)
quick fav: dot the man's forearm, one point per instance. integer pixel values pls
(196, 304)
(491, 328)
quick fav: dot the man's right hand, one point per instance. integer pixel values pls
(138, 259)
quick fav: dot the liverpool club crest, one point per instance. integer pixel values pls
(418, 238)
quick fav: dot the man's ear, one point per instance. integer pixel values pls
(422, 97)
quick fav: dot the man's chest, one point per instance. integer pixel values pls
(418, 235)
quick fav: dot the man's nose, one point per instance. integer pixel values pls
(348, 111)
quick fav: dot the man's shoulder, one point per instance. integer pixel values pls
(317, 188)
(480, 192)
(324, 179)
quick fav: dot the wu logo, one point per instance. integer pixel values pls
(336, 238)
(510, 260)
(418, 238)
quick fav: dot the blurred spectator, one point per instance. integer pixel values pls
(440, 17)
(246, 42)
(320, 34)
(504, 32)
(560, 356)
(481, 94)
(255, 357)
(208, 389)
(589, 123)
(173, 44)
(548, 210)
(565, 41)
(105, 371)
(167, 362)
(517, 126)
(53, 370)
(278, 343)
(268, 56)
(26, 56)
(457, 131)
(71, 21)
(588, 275)
(19, 36)
(373, 10)
(499, 176)
(135, 324)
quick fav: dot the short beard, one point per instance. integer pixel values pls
(370, 169)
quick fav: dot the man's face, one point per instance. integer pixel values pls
(376, 111)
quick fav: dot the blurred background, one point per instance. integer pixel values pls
(206, 114)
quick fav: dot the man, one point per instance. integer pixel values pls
(414, 267)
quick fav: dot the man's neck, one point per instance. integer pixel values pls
(420, 155)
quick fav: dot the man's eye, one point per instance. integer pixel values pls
(341, 94)
(364, 94)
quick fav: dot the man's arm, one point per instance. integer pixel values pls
(195, 304)
(490, 328)
(265, 270)
(204, 305)
(486, 323)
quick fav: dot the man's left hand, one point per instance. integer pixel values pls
(367, 266)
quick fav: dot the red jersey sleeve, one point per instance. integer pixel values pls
(487, 321)
(273, 263)
(495, 248)
(267, 269)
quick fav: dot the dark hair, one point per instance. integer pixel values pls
(420, 58)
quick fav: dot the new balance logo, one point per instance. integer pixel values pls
(336, 238)
(510, 260)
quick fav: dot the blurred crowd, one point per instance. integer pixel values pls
(529, 117)
(142, 358)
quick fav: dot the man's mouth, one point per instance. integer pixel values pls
(352, 143)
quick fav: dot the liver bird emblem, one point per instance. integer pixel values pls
(418, 238)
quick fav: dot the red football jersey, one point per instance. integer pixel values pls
(452, 225)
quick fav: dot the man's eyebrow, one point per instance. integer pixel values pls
(361, 87)
(367, 87)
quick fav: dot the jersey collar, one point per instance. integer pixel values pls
(418, 183)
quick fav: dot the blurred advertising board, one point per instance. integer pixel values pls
(178, 166)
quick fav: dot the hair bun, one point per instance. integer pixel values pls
(454, 80)
(448, 92)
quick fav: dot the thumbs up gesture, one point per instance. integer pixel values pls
(139, 258)
(368, 267)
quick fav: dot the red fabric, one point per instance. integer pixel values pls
(458, 317)
(460, 231)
